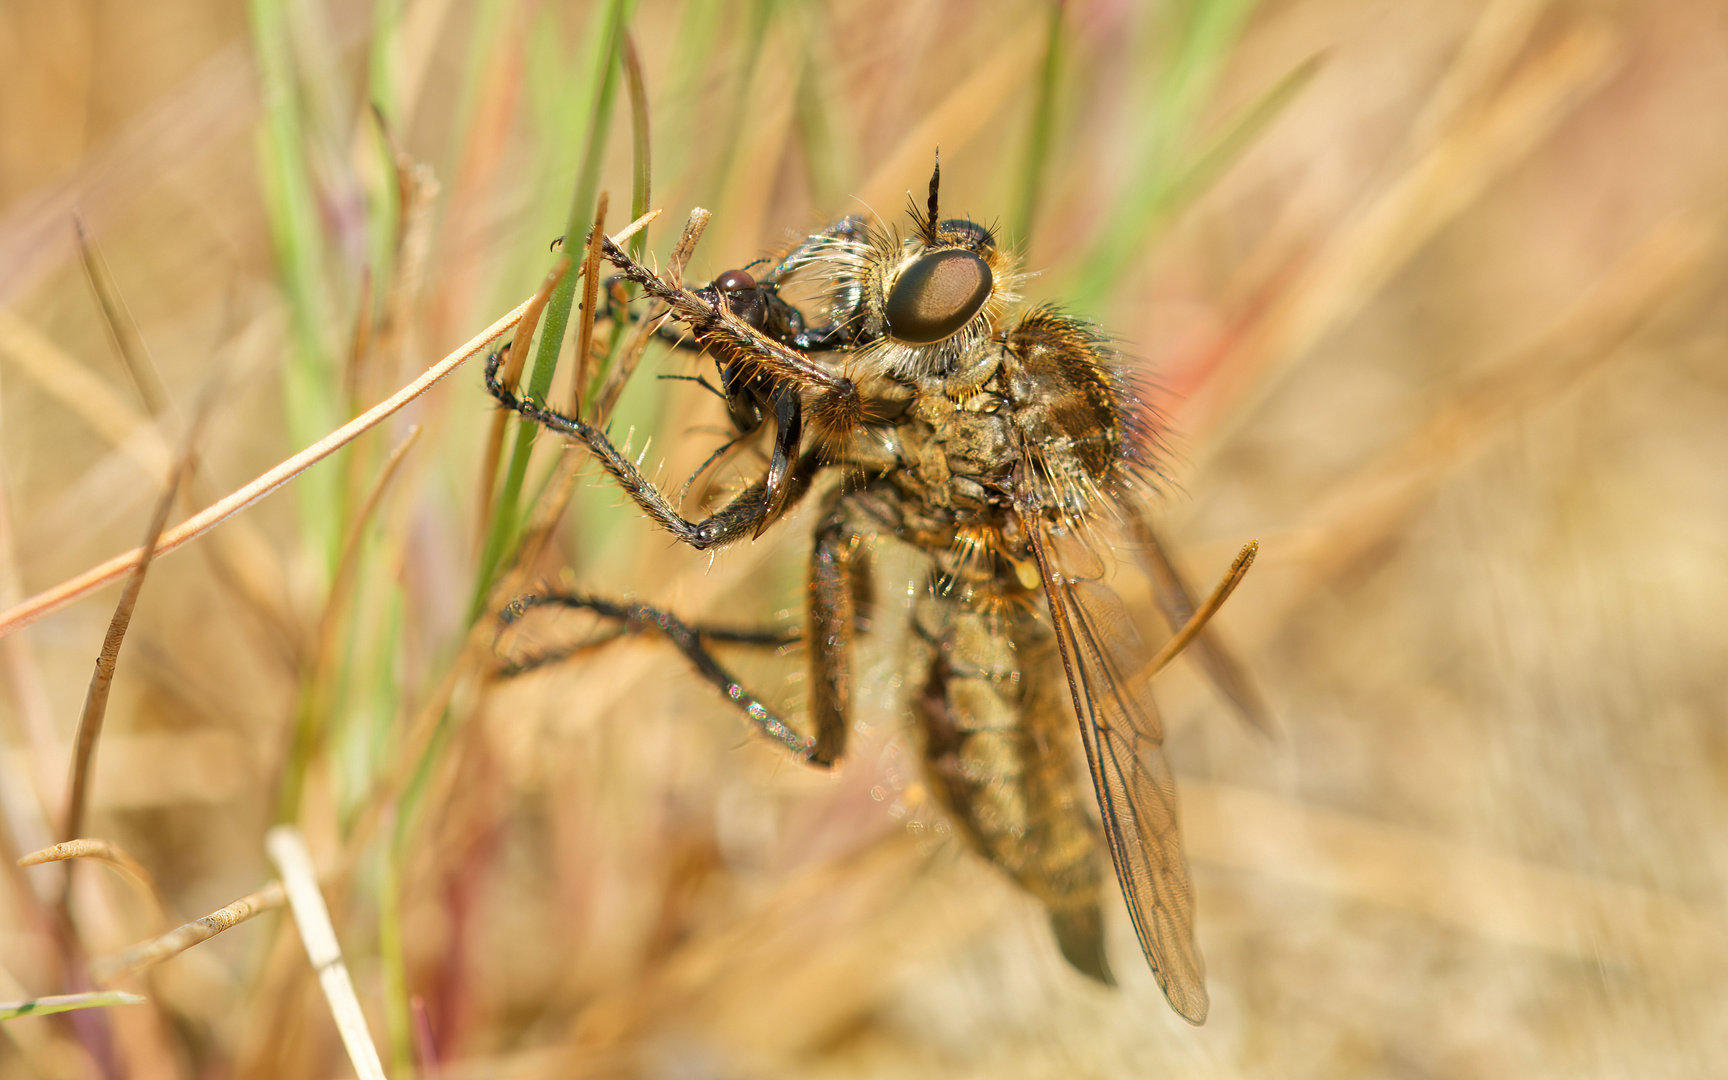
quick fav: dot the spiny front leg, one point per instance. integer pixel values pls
(737, 519)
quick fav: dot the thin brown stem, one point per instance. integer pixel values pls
(315, 702)
(686, 247)
(569, 467)
(360, 342)
(122, 328)
(147, 954)
(1197, 622)
(102, 679)
(590, 296)
(1229, 675)
(102, 851)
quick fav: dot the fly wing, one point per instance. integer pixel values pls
(1136, 795)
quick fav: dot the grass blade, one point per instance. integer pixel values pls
(59, 1003)
(315, 699)
(504, 523)
(1038, 137)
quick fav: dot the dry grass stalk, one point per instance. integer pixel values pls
(511, 375)
(102, 679)
(239, 557)
(694, 226)
(1170, 593)
(75, 588)
(287, 849)
(81, 390)
(122, 328)
(625, 365)
(360, 341)
(417, 194)
(563, 484)
(328, 639)
(1361, 513)
(1364, 253)
(424, 1045)
(147, 954)
(1500, 33)
(103, 851)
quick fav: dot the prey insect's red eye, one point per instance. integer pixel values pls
(735, 281)
(937, 295)
(740, 288)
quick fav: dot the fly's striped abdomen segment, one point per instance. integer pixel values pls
(998, 747)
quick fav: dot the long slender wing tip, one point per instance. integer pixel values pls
(1190, 1003)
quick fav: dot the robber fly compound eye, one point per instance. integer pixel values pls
(937, 295)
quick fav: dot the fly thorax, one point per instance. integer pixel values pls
(1068, 407)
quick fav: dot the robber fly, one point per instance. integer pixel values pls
(1000, 444)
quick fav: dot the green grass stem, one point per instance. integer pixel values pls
(505, 523)
(1036, 164)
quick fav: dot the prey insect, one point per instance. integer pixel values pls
(1003, 446)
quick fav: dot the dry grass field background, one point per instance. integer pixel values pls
(1434, 299)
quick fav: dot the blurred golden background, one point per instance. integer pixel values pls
(1433, 298)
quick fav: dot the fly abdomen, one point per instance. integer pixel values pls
(997, 747)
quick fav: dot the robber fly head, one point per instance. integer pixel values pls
(922, 303)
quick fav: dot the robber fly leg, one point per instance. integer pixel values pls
(832, 619)
(689, 640)
(839, 598)
(741, 517)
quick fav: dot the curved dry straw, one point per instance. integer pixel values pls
(82, 585)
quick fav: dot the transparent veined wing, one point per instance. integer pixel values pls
(1123, 740)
